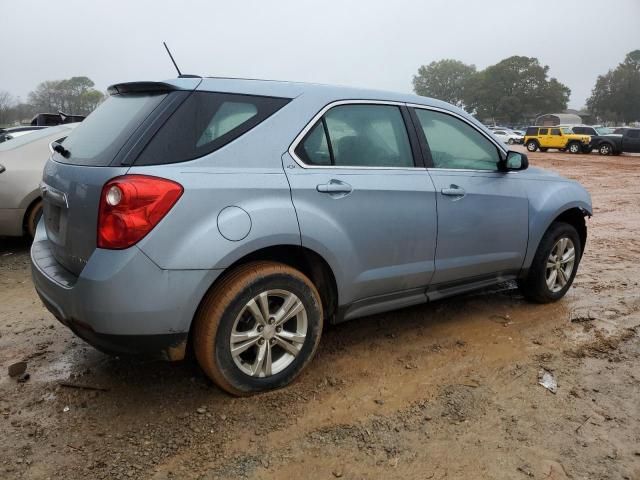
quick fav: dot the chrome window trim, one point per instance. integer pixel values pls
(319, 115)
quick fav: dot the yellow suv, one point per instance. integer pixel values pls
(562, 138)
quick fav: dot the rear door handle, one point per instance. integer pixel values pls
(453, 191)
(334, 186)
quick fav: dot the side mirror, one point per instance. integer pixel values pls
(515, 161)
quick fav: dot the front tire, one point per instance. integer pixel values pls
(554, 266)
(532, 145)
(510, 141)
(605, 149)
(258, 328)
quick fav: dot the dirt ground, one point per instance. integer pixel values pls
(446, 390)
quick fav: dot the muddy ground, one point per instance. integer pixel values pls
(446, 390)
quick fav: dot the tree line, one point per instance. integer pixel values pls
(518, 89)
(75, 96)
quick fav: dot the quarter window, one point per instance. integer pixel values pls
(455, 144)
(358, 136)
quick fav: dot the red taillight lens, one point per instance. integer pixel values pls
(130, 206)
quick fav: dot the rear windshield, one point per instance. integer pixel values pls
(97, 140)
(205, 122)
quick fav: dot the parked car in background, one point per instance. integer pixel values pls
(14, 132)
(22, 160)
(588, 130)
(561, 138)
(52, 119)
(615, 144)
(508, 136)
(241, 215)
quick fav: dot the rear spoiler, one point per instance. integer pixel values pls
(139, 87)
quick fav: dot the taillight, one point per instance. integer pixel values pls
(131, 206)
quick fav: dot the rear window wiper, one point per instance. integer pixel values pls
(60, 149)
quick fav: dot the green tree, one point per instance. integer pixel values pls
(616, 94)
(444, 80)
(515, 89)
(75, 95)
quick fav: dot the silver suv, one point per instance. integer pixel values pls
(237, 217)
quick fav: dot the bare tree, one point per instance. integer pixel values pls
(7, 102)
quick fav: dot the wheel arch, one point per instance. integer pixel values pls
(309, 262)
(29, 207)
(567, 202)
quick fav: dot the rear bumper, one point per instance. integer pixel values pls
(121, 302)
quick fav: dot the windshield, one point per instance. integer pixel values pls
(102, 134)
(566, 130)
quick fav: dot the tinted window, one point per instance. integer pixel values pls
(97, 140)
(555, 131)
(455, 144)
(532, 131)
(633, 134)
(358, 136)
(499, 132)
(206, 122)
(544, 131)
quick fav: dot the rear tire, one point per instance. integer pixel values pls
(540, 285)
(32, 218)
(532, 145)
(510, 141)
(575, 147)
(232, 317)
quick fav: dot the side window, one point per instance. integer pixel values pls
(358, 136)
(455, 144)
(314, 149)
(532, 131)
(544, 131)
(555, 131)
(205, 122)
(633, 134)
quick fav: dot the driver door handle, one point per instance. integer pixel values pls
(453, 191)
(334, 186)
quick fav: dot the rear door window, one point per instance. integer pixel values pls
(358, 135)
(544, 131)
(205, 122)
(555, 131)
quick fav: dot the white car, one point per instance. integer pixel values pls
(508, 136)
(22, 161)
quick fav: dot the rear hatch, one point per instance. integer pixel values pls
(99, 149)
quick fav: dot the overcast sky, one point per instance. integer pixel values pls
(369, 43)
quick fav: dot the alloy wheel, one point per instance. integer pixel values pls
(269, 333)
(560, 264)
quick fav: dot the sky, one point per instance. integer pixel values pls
(366, 43)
